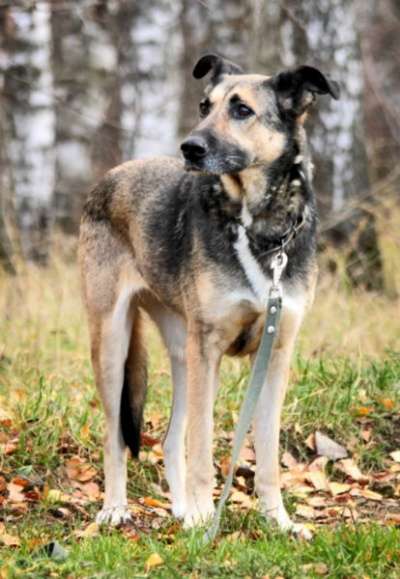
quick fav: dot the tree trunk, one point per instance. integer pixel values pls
(28, 102)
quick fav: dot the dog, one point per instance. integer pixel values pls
(190, 242)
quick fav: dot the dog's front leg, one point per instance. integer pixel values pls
(203, 359)
(267, 426)
(174, 443)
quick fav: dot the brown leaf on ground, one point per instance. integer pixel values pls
(3, 484)
(7, 539)
(349, 467)
(310, 441)
(336, 488)
(305, 511)
(366, 434)
(79, 470)
(20, 481)
(148, 440)
(288, 460)
(9, 447)
(325, 446)
(155, 503)
(366, 494)
(224, 465)
(15, 493)
(241, 499)
(91, 490)
(318, 479)
(91, 530)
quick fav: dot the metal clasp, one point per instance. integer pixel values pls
(278, 264)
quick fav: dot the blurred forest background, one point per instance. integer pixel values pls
(86, 84)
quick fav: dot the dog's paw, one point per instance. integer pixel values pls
(179, 509)
(198, 514)
(301, 531)
(281, 518)
(114, 516)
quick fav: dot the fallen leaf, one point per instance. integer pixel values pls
(325, 446)
(318, 463)
(79, 470)
(9, 447)
(387, 403)
(392, 518)
(225, 465)
(395, 455)
(316, 568)
(91, 490)
(349, 467)
(241, 498)
(153, 561)
(20, 481)
(366, 435)
(10, 540)
(369, 495)
(316, 501)
(3, 484)
(148, 440)
(318, 479)
(288, 460)
(15, 494)
(305, 511)
(338, 488)
(310, 441)
(151, 502)
(363, 410)
(53, 495)
(85, 432)
(90, 531)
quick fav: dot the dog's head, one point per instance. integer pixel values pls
(247, 119)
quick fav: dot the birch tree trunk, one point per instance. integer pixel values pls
(28, 102)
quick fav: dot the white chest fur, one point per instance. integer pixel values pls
(258, 281)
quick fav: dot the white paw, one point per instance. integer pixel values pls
(179, 509)
(285, 523)
(114, 516)
(301, 531)
(198, 514)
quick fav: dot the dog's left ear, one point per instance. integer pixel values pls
(218, 65)
(296, 88)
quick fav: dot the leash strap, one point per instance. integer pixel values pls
(257, 380)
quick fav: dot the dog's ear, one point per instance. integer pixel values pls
(218, 66)
(296, 88)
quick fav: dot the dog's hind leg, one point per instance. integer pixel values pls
(114, 338)
(267, 424)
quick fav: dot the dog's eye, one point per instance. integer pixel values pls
(242, 111)
(204, 108)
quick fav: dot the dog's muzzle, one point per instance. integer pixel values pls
(194, 149)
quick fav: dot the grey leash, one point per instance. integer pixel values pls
(257, 380)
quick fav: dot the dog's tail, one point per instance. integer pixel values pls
(134, 388)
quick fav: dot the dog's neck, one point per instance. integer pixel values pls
(267, 201)
(258, 185)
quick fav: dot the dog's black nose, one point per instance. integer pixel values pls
(194, 148)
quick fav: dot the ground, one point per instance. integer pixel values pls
(345, 385)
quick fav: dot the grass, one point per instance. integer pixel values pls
(347, 368)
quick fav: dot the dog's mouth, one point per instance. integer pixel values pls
(216, 165)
